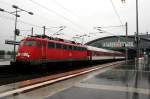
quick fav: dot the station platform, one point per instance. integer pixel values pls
(4, 62)
(126, 81)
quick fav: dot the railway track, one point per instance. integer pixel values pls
(27, 85)
(10, 74)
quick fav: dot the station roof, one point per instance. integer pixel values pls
(142, 37)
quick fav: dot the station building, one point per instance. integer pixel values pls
(118, 43)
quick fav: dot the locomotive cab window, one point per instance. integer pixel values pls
(29, 43)
(38, 44)
(58, 45)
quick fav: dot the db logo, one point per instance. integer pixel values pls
(70, 54)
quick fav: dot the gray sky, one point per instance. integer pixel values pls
(79, 17)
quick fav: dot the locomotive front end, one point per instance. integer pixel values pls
(27, 52)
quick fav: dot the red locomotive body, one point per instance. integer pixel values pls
(42, 50)
(38, 50)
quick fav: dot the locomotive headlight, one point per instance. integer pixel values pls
(26, 54)
(23, 54)
(18, 54)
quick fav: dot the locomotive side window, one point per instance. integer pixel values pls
(65, 47)
(30, 43)
(77, 48)
(74, 48)
(58, 45)
(84, 49)
(51, 45)
(80, 49)
(38, 43)
(70, 47)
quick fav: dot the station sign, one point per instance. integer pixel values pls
(11, 42)
(117, 44)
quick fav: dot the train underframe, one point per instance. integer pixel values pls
(54, 63)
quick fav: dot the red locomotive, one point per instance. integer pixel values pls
(44, 49)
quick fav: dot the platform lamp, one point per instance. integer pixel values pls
(16, 31)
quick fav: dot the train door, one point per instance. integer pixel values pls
(44, 50)
(89, 54)
(59, 50)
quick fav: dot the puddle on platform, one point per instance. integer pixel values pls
(88, 93)
(125, 75)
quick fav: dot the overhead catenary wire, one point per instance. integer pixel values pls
(48, 27)
(26, 23)
(52, 11)
(58, 14)
(41, 16)
(111, 26)
(67, 10)
(116, 12)
(20, 21)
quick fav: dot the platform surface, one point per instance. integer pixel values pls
(4, 62)
(126, 81)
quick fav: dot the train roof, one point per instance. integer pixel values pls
(91, 48)
(57, 40)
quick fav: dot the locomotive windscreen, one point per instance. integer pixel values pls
(28, 43)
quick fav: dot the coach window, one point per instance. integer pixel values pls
(51, 45)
